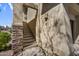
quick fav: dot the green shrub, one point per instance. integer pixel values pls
(4, 39)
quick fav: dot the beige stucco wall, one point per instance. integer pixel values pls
(18, 14)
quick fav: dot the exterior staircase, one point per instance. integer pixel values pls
(28, 38)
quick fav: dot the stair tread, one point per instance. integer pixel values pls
(28, 36)
(28, 40)
(25, 45)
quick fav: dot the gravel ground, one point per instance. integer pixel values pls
(6, 53)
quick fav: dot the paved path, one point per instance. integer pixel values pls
(6, 53)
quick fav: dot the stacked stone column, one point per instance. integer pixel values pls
(17, 32)
(17, 40)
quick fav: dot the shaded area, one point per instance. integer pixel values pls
(48, 6)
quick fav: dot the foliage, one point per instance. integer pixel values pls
(4, 39)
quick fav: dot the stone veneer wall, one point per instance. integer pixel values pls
(17, 33)
(17, 37)
(53, 32)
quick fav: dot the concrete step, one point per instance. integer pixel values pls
(27, 36)
(27, 31)
(28, 44)
(29, 40)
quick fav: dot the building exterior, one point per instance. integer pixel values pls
(48, 27)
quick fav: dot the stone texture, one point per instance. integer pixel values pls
(18, 14)
(28, 37)
(30, 17)
(17, 39)
(22, 35)
(32, 50)
(17, 31)
(6, 53)
(75, 47)
(54, 32)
